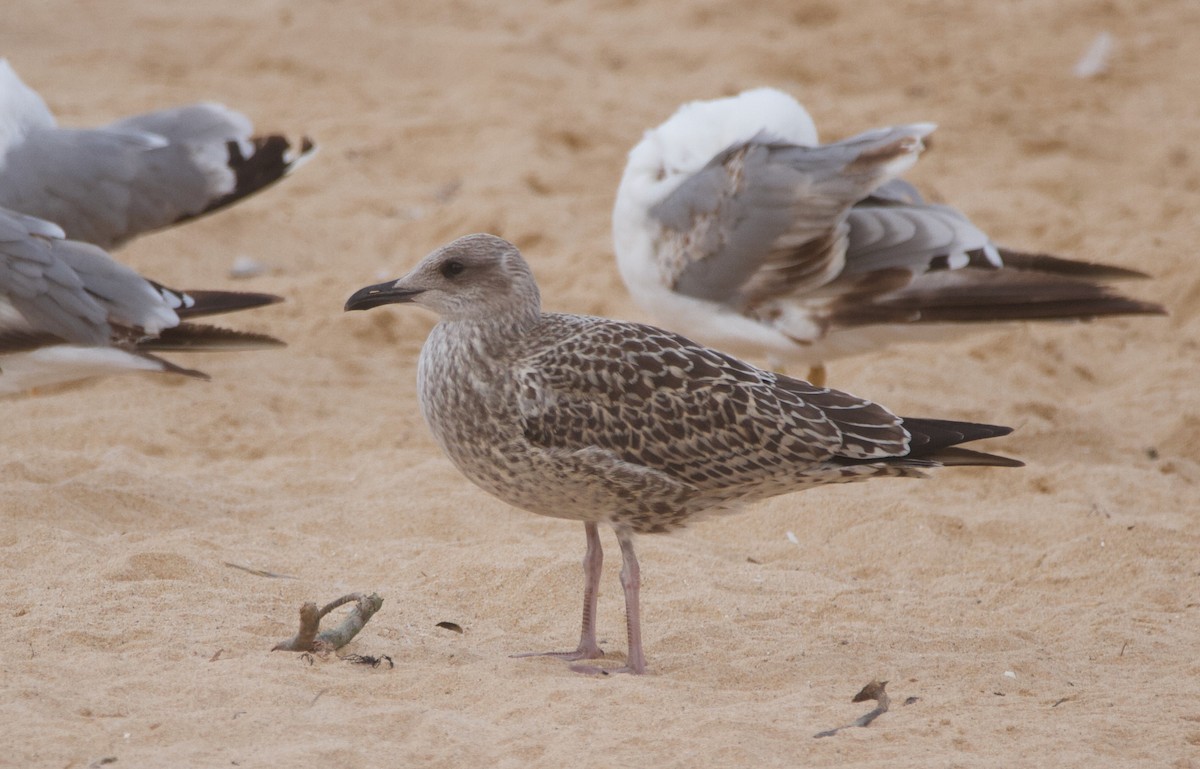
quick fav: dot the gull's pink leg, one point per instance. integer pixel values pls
(593, 561)
(631, 581)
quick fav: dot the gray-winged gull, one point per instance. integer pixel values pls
(109, 184)
(602, 421)
(733, 223)
(69, 312)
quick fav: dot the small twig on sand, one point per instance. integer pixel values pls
(308, 639)
(872, 691)
(258, 572)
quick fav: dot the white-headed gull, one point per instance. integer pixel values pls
(734, 225)
(109, 184)
(69, 312)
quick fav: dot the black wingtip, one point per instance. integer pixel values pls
(990, 296)
(198, 337)
(1057, 265)
(956, 456)
(196, 304)
(170, 368)
(269, 160)
(939, 433)
(937, 440)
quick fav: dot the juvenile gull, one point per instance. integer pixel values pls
(732, 222)
(601, 421)
(107, 185)
(69, 312)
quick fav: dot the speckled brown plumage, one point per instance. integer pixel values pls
(603, 421)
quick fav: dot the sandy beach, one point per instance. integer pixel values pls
(1046, 616)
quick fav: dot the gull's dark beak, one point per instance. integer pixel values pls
(380, 293)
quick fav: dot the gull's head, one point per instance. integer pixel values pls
(21, 109)
(671, 153)
(477, 277)
(699, 130)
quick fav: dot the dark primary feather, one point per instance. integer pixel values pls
(937, 440)
(198, 337)
(24, 340)
(197, 304)
(172, 368)
(1056, 265)
(270, 160)
(981, 295)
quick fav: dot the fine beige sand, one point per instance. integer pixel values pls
(1046, 616)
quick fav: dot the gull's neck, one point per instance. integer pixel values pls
(493, 336)
(22, 110)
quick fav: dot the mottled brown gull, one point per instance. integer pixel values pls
(732, 222)
(602, 421)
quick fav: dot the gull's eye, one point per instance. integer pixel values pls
(452, 268)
